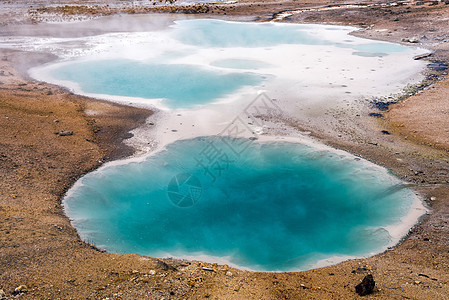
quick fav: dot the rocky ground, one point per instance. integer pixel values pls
(41, 256)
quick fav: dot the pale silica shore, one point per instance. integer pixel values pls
(41, 251)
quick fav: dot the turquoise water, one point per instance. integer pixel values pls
(180, 85)
(180, 73)
(218, 33)
(276, 206)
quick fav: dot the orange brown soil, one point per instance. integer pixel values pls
(425, 117)
(40, 249)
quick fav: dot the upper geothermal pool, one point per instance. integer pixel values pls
(220, 183)
(192, 63)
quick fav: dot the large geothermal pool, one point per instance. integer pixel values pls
(277, 206)
(220, 185)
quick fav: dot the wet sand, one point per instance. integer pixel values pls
(41, 250)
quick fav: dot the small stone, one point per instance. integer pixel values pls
(433, 198)
(229, 273)
(366, 286)
(421, 56)
(359, 270)
(412, 40)
(152, 272)
(20, 289)
(385, 132)
(128, 135)
(417, 282)
(65, 133)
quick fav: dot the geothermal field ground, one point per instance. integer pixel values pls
(228, 150)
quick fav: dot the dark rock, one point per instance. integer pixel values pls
(412, 40)
(164, 266)
(128, 136)
(366, 286)
(359, 270)
(418, 57)
(376, 115)
(382, 105)
(386, 132)
(432, 77)
(438, 66)
(65, 133)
